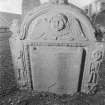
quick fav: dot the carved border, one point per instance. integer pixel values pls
(28, 67)
(94, 70)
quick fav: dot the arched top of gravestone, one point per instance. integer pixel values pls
(57, 20)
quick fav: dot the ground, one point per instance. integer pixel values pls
(45, 98)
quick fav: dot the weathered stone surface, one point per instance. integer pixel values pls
(56, 70)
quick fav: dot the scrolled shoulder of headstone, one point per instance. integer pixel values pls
(14, 28)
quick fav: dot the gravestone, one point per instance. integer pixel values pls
(56, 50)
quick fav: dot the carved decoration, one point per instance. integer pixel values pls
(14, 28)
(22, 75)
(17, 54)
(97, 58)
(59, 27)
(18, 61)
(28, 66)
(44, 9)
(58, 22)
